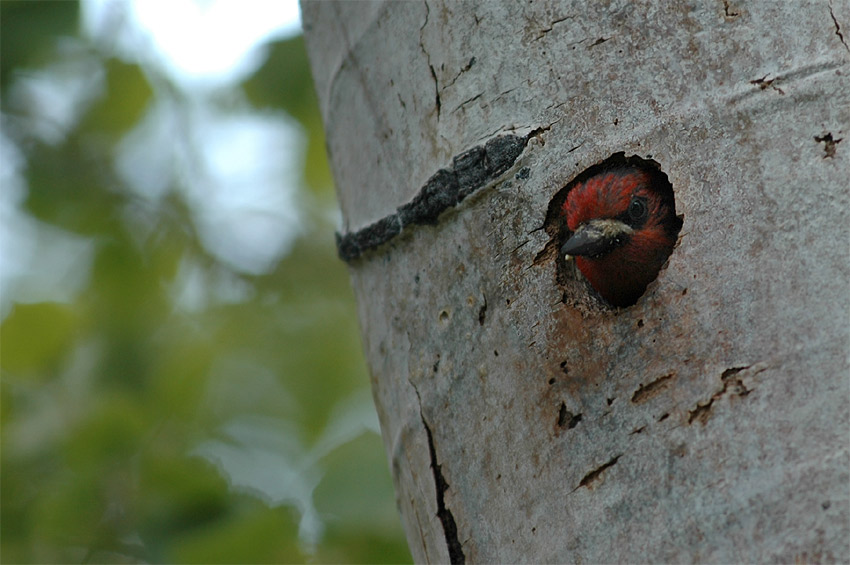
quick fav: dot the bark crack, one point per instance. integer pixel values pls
(732, 384)
(594, 475)
(437, 101)
(764, 83)
(838, 28)
(649, 390)
(444, 514)
(447, 519)
(543, 31)
(462, 70)
(467, 101)
(599, 41)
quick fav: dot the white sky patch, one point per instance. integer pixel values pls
(51, 100)
(196, 43)
(196, 286)
(237, 171)
(245, 213)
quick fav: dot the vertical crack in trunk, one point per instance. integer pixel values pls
(837, 27)
(444, 514)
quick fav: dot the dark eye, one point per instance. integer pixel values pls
(638, 209)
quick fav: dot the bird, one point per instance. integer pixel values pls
(622, 227)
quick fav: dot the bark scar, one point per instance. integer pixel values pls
(469, 171)
(829, 143)
(730, 11)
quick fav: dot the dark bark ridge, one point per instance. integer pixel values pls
(470, 171)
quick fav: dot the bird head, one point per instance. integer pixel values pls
(623, 228)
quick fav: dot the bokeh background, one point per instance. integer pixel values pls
(182, 376)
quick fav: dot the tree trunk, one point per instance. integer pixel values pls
(524, 420)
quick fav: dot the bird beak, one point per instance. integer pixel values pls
(596, 238)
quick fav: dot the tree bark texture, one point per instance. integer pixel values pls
(525, 421)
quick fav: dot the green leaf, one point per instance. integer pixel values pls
(34, 338)
(127, 96)
(28, 32)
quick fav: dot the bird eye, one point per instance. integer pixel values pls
(638, 209)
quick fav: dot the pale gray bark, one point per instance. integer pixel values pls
(709, 421)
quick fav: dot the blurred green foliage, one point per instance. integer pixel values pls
(138, 426)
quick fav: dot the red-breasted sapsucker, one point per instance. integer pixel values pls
(624, 226)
